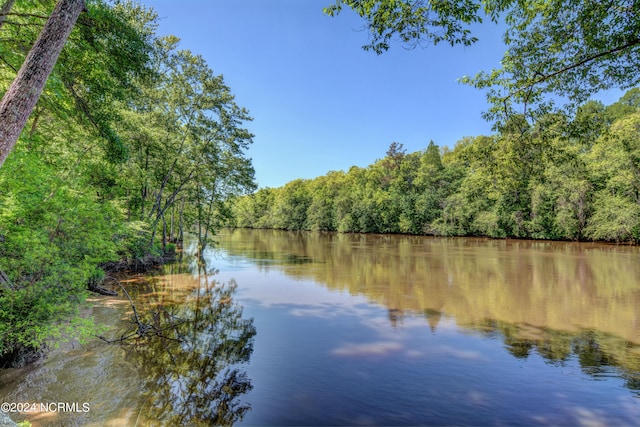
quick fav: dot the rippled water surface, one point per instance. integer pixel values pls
(283, 328)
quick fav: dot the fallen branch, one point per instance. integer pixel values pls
(102, 291)
(142, 330)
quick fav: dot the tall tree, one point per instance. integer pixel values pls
(19, 100)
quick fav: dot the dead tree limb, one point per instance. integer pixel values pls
(142, 330)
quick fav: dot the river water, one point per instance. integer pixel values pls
(293, 328)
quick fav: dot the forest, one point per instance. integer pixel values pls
(562, 177)
(132, 143)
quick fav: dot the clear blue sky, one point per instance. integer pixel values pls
(319, 101)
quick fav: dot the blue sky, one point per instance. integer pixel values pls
(319, 101)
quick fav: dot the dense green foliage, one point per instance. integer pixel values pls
(571, 48)
(562, 178)
(132, 143)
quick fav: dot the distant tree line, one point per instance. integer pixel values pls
(568, 178)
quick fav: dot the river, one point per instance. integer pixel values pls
(298, 328)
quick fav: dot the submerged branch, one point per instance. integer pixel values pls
(142, 330)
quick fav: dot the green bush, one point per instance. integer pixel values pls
(53, 237)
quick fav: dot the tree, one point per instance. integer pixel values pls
(554, 179)
(61, 220)
(19, 100)
(54, 235)
(291, 205)
(415, 22)
(105, 54)
(186, 147)
(321, 210)
(570, 48)
(129, 139)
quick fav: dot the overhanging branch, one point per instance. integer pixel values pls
(544, 77)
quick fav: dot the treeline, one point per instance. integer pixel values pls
(132, 142)
(568, 178)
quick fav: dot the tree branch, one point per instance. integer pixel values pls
(142, 329)
(545, 77)
(8, 64)
(24, 15)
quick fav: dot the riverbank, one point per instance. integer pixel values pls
(93, 373)
(104, 281)
(123, 382)
(446, 236)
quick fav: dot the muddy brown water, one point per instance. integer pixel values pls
(285, 328)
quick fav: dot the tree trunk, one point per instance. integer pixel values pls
(164, 234)
(171, 230)
(23, 94)
(180, 226)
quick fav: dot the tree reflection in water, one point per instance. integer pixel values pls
(599, 354)
(194, 372)
(562, 301)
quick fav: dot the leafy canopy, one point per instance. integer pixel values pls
(568, 48)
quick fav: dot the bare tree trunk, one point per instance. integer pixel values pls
(164, 234)
(180, 226)
(171, 230)
(23, 94)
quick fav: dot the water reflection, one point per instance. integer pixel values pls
(193, 372)
(365, 330)
(561, 301)
(190, 369)
(599, 355)
(563, 286)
